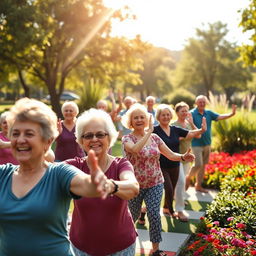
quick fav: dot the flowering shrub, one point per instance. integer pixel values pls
(229, 228)
(221, 163)
(241, 206)
(219, 241)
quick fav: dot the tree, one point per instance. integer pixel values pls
(248, 22)
(209, 63)
(51, 38)
(155, 76)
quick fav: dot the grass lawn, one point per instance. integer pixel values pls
(116, 149)
(5, 106)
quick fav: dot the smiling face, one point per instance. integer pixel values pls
(27, 143)
(201, 103)
(139, 120)
(99, 145)
(69, 112)
(165, 117)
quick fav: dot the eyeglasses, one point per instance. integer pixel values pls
(98, 135)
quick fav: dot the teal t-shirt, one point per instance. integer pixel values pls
(35, 225)
(206, 138)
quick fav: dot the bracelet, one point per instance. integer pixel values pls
(116, 188)
(182, 158)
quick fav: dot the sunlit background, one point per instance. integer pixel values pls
(168, 23)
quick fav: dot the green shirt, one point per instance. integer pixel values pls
(185, 144)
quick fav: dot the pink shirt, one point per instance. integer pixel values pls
(146, 163)
(6, 153)
(101, 227)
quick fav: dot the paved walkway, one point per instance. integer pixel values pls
(176, 233)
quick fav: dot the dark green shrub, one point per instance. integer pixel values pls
(234, 204)
(179, 95)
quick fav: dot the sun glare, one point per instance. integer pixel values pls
(169, 23)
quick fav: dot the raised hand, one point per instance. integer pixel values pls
(59, 126)
(188, 156)
(234, 109)
(97, 176)
(150, 125)
(189, 118)
(204, 125)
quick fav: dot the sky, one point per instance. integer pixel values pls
(169, 23)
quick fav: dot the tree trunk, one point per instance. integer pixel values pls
(23, 83)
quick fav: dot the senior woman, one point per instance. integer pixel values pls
(142, 149)
(5, 151)
(35, 195)
(171, 135)
(66, 145)
(184, 120)
(103, 227)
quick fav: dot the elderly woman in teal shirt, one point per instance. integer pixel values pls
(35, 195)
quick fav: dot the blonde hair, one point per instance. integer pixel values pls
(33, 110)
(162, 107)
(180, 105)
(96, 114)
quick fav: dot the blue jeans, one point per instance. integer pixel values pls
(129, 251)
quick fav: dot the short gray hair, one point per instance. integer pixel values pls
(33, 110)
(162, 107)
(70, 103)
(150, 98)
(96, 114)
(127, 118)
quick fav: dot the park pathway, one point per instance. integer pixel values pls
(176, 233)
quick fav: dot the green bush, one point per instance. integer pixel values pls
(90, 94)
(236, 134)
(237, 205)
(179, 95)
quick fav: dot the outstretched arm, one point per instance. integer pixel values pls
(197, 132)
(167, 152)
(93, 185)
(226, 116)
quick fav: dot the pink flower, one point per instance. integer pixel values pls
(230, 218)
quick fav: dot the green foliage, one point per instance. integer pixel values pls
(248, 23)
(157, 66)
(51, 38)
(90, 94)
(234, 180)
(236, 134)
(179, 95)
(209, 63)
(235, 204)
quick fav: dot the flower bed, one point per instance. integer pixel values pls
(220, 164)
(229, 227)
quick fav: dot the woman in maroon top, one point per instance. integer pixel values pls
(66, 145)
(103, 227)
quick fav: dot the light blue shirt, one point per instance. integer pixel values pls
(206, 138)
(35, 225)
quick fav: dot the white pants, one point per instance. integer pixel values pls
(179, 195)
